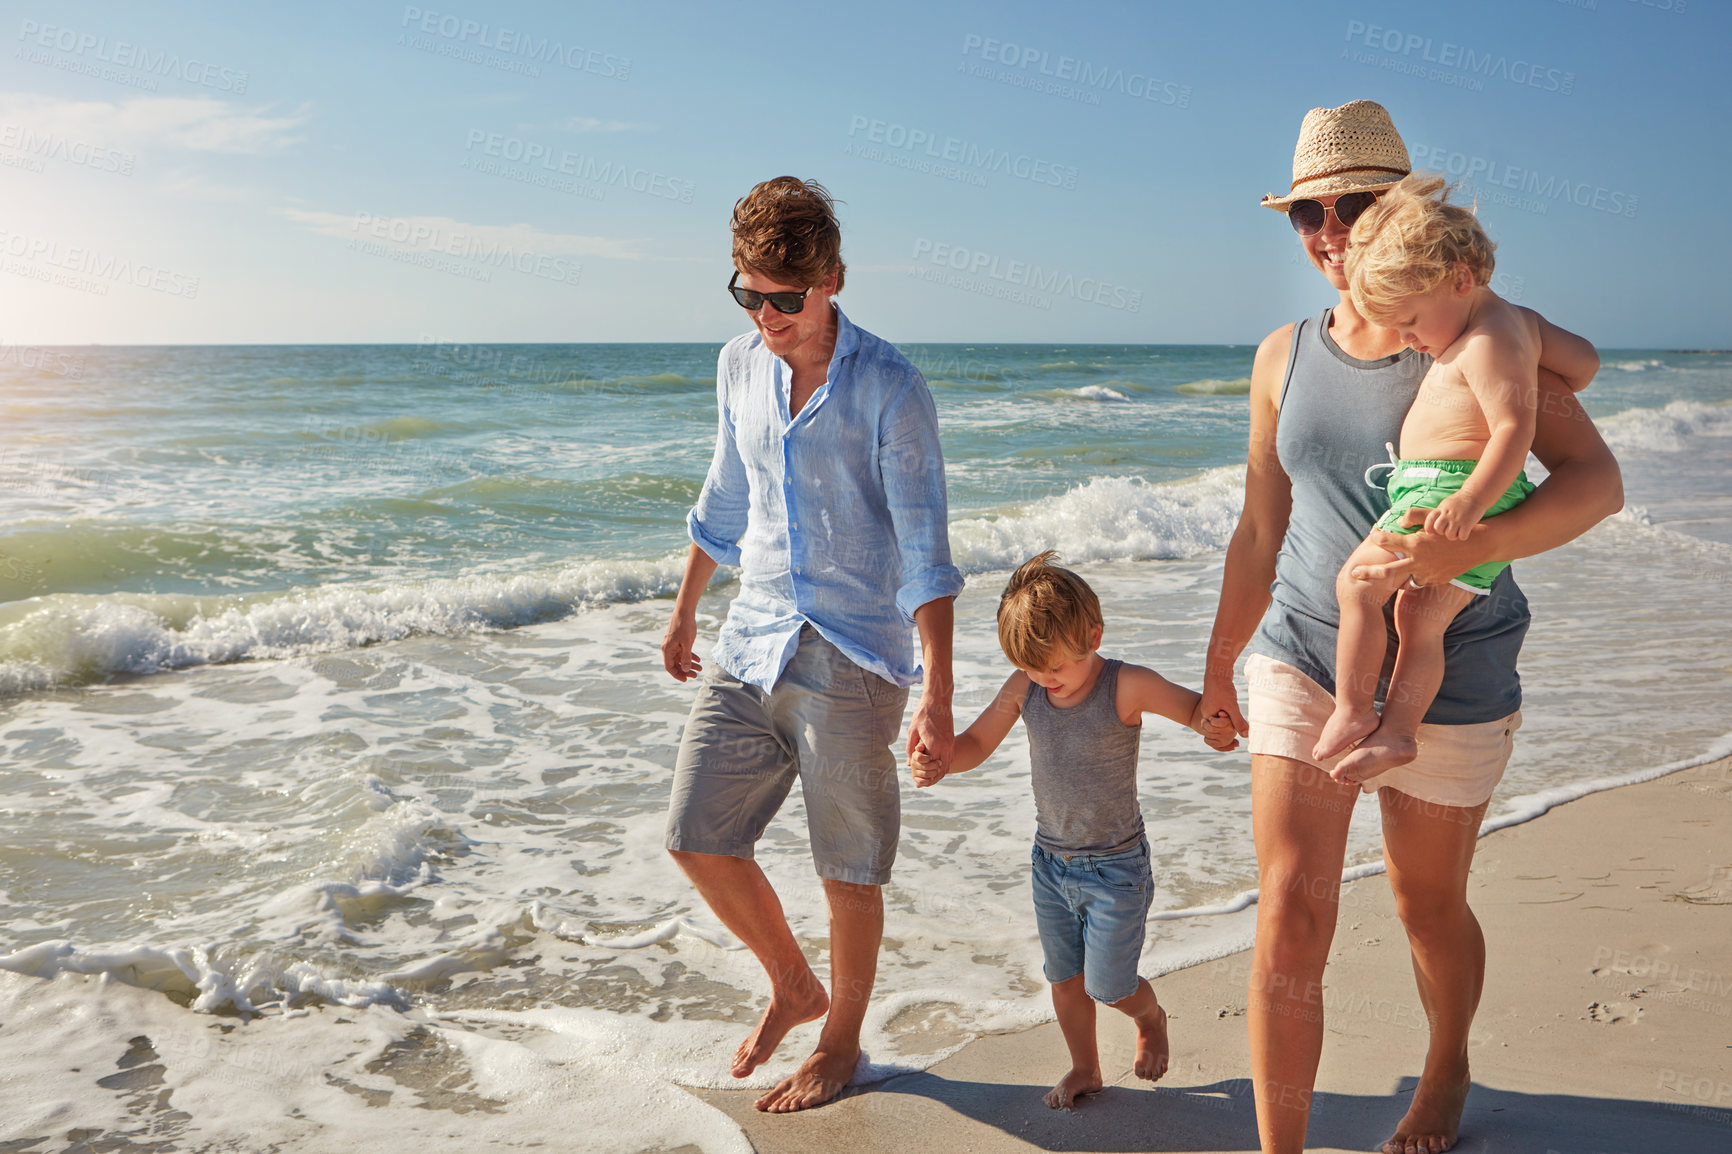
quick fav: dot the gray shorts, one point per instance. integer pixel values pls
(827, 721)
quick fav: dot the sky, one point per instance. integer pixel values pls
(1086, 172)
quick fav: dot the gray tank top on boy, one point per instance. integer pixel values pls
(1336, 414)
(1084, 764)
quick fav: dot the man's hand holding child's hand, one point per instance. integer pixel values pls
(928, 770)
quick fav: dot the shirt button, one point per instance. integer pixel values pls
(796, 525)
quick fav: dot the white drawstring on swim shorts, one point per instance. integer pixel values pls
(1389, 464)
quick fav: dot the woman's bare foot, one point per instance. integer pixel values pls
(1344, 727)
(804, 1001)
(819, 1079)
(1152, 1046)
(1073, 1086)
(1379, 753)
(1433, 1120)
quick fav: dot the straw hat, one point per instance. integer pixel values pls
(1344, 149)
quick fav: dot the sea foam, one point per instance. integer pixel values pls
(1108, 519)
(1664, 430)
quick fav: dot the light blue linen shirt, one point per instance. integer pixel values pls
(836, 517)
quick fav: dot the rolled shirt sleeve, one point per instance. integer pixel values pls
(912, 464)
(718, 520)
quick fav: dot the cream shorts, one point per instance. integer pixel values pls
(1458, 765)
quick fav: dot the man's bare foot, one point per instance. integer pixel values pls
(1152, 1046)
(1344, 727)
(819, 1079)
(802, 1002)
(1433, 1120)
(1379, 753)
(1073, 1086)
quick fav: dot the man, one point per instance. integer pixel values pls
(827, 490)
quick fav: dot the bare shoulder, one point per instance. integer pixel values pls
(1015, 688)
(1136, 684)
(1270, 366)
(1276, 344)
(1533, 324)
(1500, 330)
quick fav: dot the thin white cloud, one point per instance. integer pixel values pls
(198, 123)
(592, 124)
(191, 185)
(461, 238)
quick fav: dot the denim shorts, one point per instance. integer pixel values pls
(827, 722)
(1092, 910)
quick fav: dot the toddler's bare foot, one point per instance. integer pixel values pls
(1433, 1121)
(1152, 1046)
(1344, 727)
(1379, 753)
(803, 1001)
(1073, 1086)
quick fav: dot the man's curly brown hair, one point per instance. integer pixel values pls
(786, 229)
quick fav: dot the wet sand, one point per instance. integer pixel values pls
(1605, 1027)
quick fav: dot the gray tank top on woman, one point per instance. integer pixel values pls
(1336, 414)
(1084, 764)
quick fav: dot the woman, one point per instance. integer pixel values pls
(1327, 393)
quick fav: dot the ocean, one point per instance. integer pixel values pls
(336, 741)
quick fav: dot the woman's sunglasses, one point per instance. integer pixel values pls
(1307, 216)
(781, 302)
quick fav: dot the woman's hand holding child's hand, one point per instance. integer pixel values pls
(1453, 518)
(1217, 729)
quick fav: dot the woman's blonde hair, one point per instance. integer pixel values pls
(1409, 242)
(1045, 613)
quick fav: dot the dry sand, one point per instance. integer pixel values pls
(1606, 1025)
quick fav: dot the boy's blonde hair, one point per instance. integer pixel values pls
(1409, 242)
(1046, 612)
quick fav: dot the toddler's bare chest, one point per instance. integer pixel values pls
(1445, 414)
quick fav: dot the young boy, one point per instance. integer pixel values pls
(1092, 882)
(1422, 266)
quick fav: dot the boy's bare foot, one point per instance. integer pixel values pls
(819, 1079)
(1379, 753)
(1073, 1086)
(1152, 1046)
(1344, 727)
(804, 1001)
(1433, 1120)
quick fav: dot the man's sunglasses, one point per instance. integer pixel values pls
(1307, 216)
(782, 302)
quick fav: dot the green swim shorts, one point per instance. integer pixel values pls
(1424, 485)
